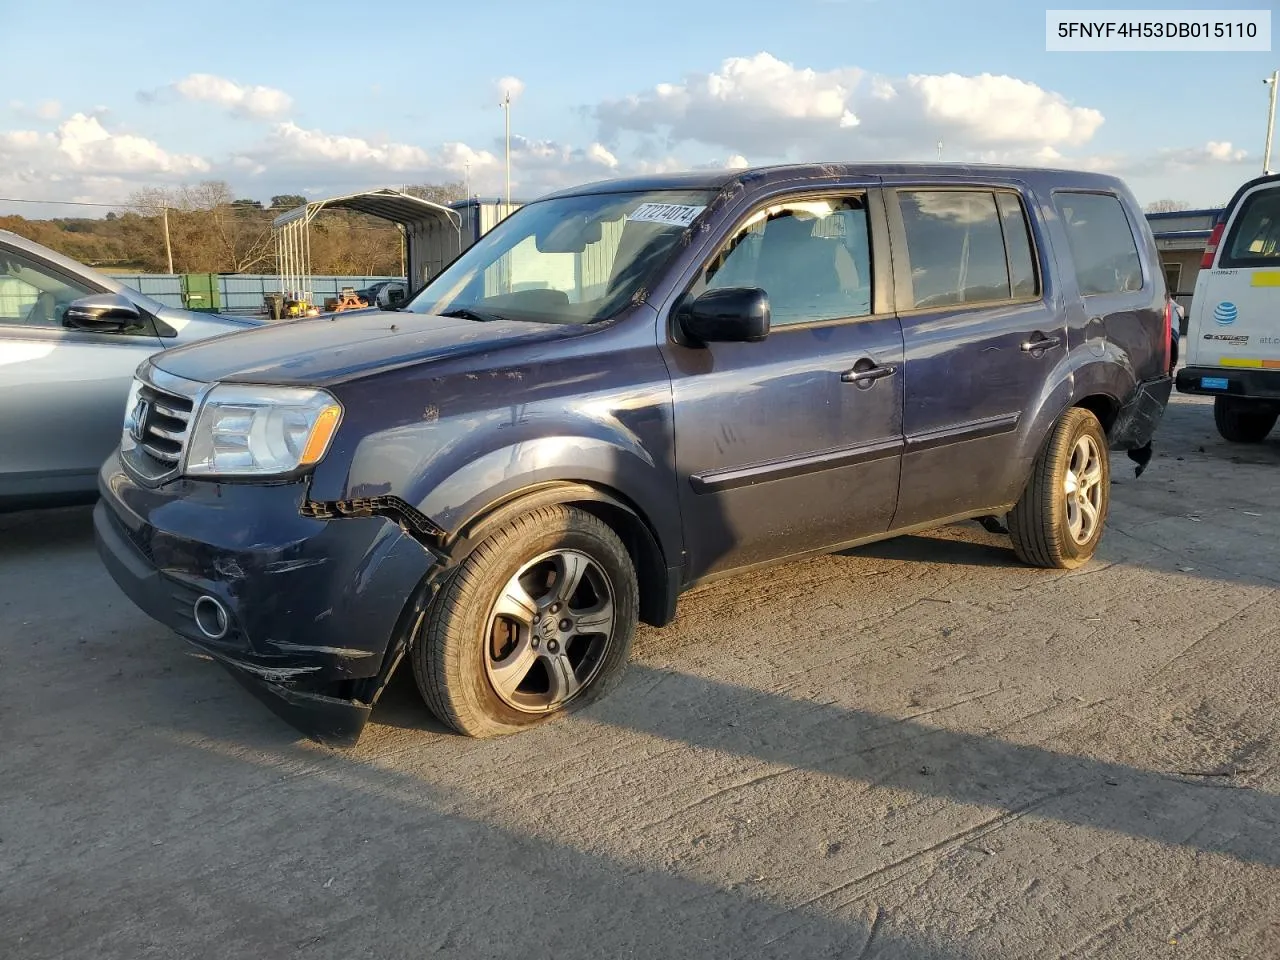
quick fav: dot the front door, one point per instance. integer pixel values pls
(982, 339)
(793, 443)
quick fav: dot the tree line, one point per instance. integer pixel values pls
(213, 231)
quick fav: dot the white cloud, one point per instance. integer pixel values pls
(989, 109)
(83, 160)
(332, 161)
(82, 143)
(509, 85)
(258, 102)
(767, 108)
(1213, 153)
(751, 104)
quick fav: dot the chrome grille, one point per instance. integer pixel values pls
(165, 424)
(158, 425)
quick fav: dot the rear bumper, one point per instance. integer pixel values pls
(1230, 381)
(317, 611)
(1140, 414)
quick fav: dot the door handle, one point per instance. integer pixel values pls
(1040, 344)
(867, 372)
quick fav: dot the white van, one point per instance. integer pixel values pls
(1233, 338)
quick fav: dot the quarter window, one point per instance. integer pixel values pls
(31, 295)
(956, 243)
(811, 257)
(1102, 245)
(1017, 241)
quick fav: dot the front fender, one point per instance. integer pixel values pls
(454, 499)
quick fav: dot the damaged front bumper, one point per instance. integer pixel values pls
(312, 615)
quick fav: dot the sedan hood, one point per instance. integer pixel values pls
(319, 351)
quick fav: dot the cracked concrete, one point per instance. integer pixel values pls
(919, 750)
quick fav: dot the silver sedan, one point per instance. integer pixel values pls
(70, 340)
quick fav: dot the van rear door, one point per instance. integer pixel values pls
(1235, 314)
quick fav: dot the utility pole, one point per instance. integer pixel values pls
(1272, 81)
(168, 247)
(466, 180)
(506, 107)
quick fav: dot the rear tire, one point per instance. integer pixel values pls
(537, 621)
(1058, 521)
(1239, 421)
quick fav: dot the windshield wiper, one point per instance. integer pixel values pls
(466, 313)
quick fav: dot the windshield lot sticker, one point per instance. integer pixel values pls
(672, 214)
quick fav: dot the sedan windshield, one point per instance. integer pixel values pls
(575, 259)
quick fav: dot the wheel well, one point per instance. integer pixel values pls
(1103, 407)
(657, 592)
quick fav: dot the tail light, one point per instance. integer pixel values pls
(1167, 339)
(1211, 248)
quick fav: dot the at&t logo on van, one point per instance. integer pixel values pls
(1225, 313)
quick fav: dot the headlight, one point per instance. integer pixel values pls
(251, 431)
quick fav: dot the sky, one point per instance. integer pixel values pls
(102, 100)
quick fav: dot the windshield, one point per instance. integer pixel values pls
(574, 259)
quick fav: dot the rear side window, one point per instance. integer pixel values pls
(1255, 235)
(1103, 249)
(967, 246)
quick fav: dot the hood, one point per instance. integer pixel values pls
(318, 351)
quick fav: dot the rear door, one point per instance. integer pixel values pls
(794, 443)
(1122, 304)
(981, 340)
(62, 391)
(1236, 310)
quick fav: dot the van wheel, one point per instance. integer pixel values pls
(1058, 521)
(538, 620)
(1240, 421)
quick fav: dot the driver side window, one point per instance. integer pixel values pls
(31, 295)
(812, 257)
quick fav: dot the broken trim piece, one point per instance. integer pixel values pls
(393, 508)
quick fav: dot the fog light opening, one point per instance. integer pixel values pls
(211, 617)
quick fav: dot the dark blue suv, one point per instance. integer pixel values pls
(624, 390)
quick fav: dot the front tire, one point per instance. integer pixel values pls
(537, 621)
(1238, 421)
(1058, 521)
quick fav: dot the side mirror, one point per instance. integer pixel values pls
(101, 313)
(730, 315)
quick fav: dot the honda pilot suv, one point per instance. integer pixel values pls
(624, 390)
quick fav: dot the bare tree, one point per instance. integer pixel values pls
(438, 192)
(1167, 206)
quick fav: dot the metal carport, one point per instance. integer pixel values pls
(426, 227)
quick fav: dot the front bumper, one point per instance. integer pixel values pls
(1248, 382)
(319, 611)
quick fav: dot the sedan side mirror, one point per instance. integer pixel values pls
(101, 313)
(729, 315)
